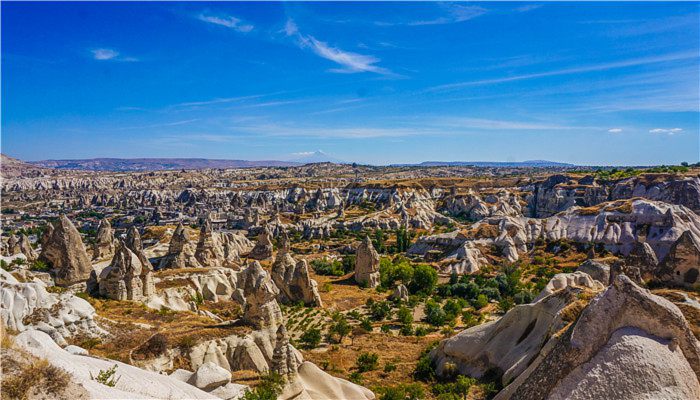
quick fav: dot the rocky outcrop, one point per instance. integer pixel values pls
(28, 305)
(209, 252)
(507, 345)
(627, 343)
(682, 264)
(126, 278)
(642, 256)
(263, 248)
(181, 252)
(65, 253)
(400, 293)
(293, 280)
(596, 270)
(22, 245)
(104, 241)
(564, 280)
(133, 242)
(261, 308)
(367, 264)
(132, 383)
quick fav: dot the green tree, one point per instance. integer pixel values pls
(405, 315)
(367, 362)
(424, 279)
(311, 338)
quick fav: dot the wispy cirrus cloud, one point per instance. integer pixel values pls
(574, 70)
(106, 54)
(349, 62)
(449, 14)
(227, 21)
(668, 131)
(615, 130)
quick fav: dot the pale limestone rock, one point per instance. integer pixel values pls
(28, 305)
(626, 344)
(209, 253)
(104, 241)
(596, 270)
(65, 252)
(400, 293)
(293, 280)
(209, 376)
(367, 264)
(564, 280)
(181, 252)
(263, 248)
(134, 383)
(261, 308)
(126, 278)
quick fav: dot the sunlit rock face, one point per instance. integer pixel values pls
(65, 252)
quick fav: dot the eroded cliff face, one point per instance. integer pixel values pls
(558, 193)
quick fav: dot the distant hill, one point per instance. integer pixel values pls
(11, 167)
(530, 163)
(156, 164)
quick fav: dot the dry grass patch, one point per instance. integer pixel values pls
(26, 380)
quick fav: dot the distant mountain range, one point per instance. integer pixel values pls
(529, 163)
(11, 166)
(156, 164)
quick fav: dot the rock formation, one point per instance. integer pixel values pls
(627, 343)
(682, 264)
(261, 308)
(126, 278)
(263, 248)
(209, 252)
(27, 305)
(21, 245)
(367, 264)
(400, 293)
(133, 242)
(293, 280)
(65, 253)
(180, 252)
(596, 270)
(104, 241)
(643, 257)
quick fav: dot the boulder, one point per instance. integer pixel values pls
(209, 376)
(21, 245)
(65, 253)
(563, 280)
(104, 241)
(400, 293)
(367, 264)
(596, 270)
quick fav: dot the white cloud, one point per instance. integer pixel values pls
(349, 62)
(451, 13)
(104, 54)
(575, 70)
(303, 153)
(615, 130)
(668, 131)
(227, 21)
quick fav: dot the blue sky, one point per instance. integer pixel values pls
(587, 83)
